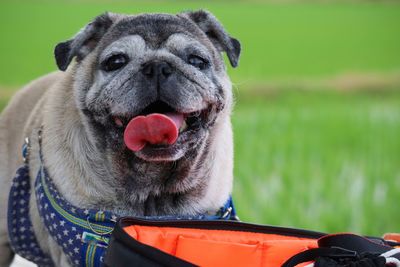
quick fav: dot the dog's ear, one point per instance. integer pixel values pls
(83, 42)
(209, 24)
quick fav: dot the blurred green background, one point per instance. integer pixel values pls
(317, 116)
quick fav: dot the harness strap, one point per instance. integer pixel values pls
(81, 233)
(20, 230)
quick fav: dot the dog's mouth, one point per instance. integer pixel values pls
(159, 126)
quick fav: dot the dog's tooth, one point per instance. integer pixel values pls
(196, 113)
(183, 127)
(118, 122)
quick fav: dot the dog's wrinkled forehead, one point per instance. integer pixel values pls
(155, 29)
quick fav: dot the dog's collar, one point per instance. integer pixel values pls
(83, 234)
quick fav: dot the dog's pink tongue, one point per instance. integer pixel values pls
(154, 129)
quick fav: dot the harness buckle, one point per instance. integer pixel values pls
(227, 213)
(25, 150)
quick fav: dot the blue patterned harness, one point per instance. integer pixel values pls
(83, 234)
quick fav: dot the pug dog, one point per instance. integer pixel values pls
(137, 121)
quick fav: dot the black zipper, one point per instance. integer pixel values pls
(222, 225)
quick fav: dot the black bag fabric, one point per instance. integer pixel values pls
(341, 250)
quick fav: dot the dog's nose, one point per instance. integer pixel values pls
(157, 69)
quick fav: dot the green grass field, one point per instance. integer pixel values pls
(319, 160)
(322, 159)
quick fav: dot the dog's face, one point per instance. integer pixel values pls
(135, 66)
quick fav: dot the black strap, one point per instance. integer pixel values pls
(354, 242)
(312, 254)
(344, 250)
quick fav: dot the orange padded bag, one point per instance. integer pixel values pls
(206, 243)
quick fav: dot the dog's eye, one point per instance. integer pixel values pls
(198, 62)
(114, 62)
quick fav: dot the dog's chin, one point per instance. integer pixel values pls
(187, 141)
